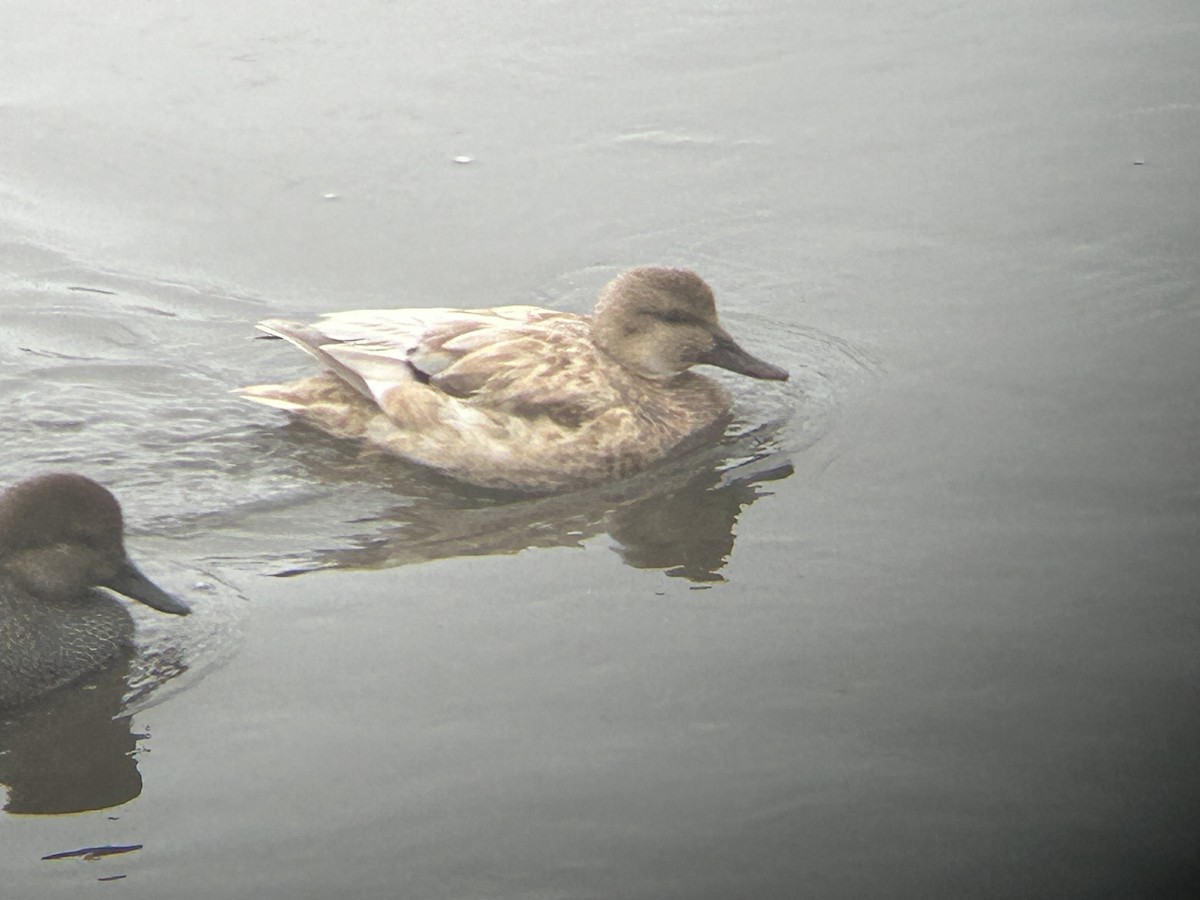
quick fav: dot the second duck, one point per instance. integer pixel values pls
(521, 397)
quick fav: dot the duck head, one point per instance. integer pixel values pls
(659, 322)
(62, 533)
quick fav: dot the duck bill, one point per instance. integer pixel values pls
(727, 354)
(130, 581)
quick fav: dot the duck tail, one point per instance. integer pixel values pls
(274, 395)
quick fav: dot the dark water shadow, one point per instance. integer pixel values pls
(72, 750)
(678, 517)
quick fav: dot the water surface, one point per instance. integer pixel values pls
(924, 624)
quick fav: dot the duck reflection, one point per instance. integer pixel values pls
(688, 533)
(72, 750)
(679, 517)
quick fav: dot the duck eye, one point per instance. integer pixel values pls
(674, 317)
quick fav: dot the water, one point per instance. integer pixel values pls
(924, 624)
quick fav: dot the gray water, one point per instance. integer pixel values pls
(924, 624)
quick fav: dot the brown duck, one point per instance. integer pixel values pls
(521, 397)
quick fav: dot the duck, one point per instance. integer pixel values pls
(520, 397)
(61, 539)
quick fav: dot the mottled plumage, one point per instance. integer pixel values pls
(61, 535)
(522, 397)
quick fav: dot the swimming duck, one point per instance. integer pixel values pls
(521, 397)
(61, 536)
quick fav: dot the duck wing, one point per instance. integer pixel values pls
(396, 344)
(514, 360)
